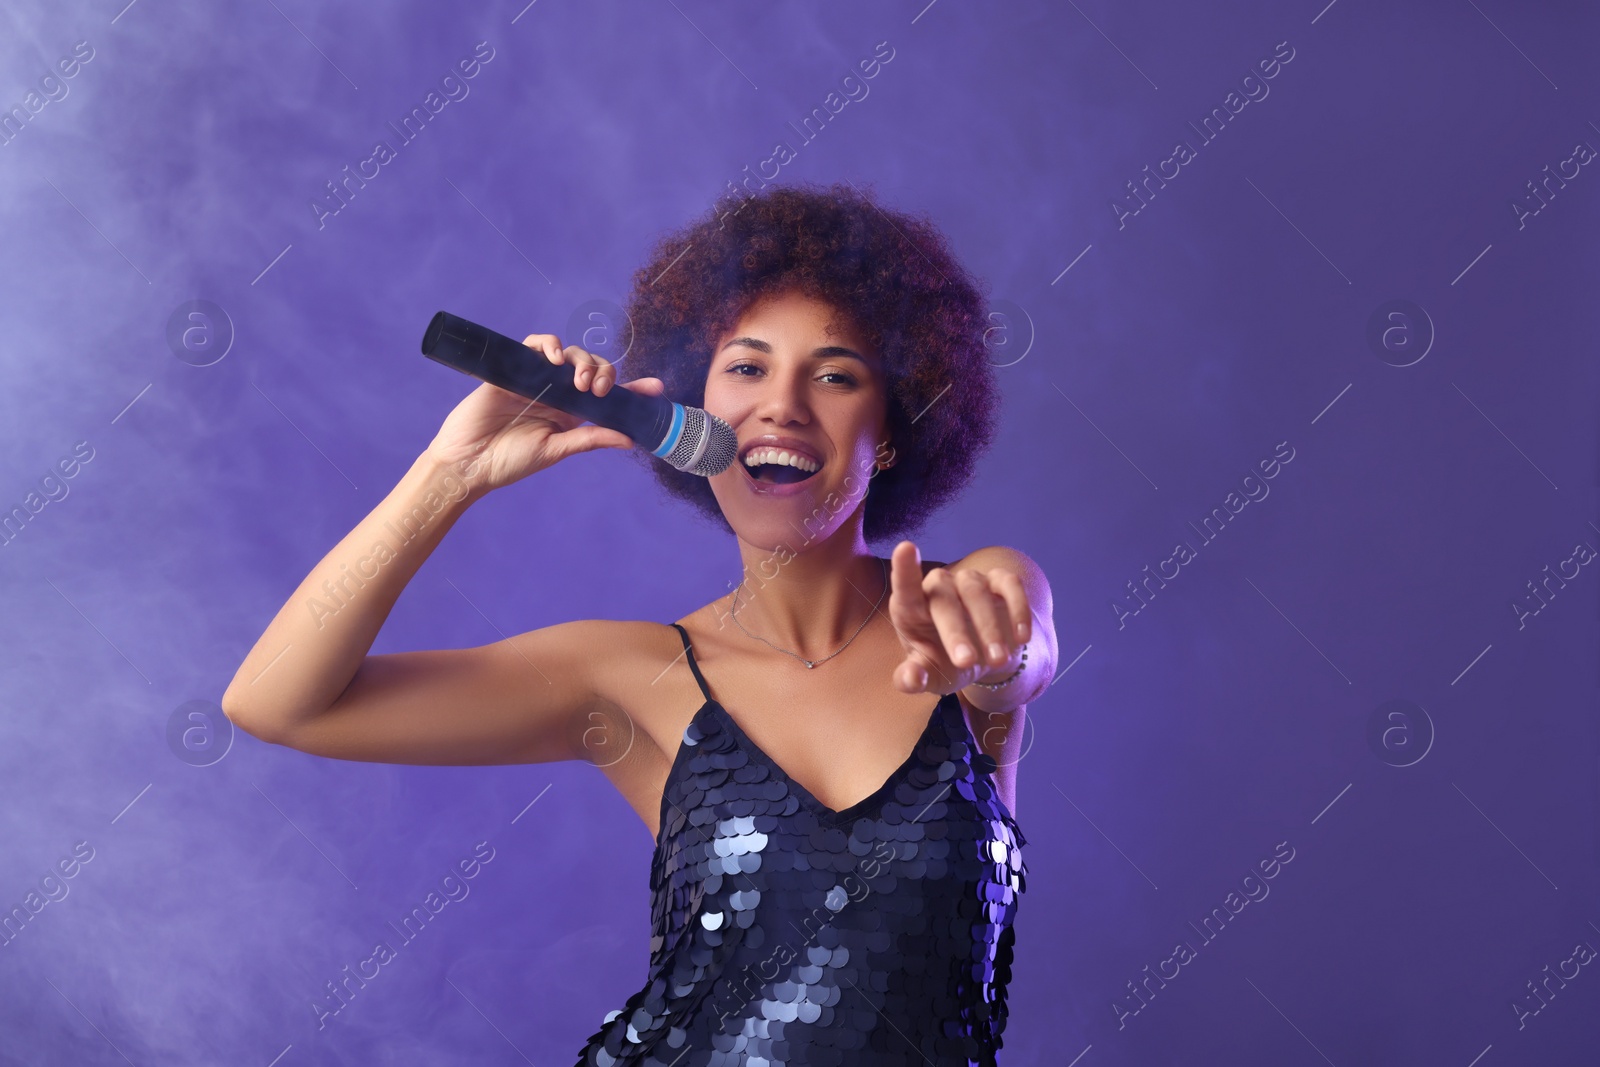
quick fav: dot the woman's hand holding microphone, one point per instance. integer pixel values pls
(495, 437)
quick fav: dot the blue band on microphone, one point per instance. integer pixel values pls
(671, 440)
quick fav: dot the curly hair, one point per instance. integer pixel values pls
(895, 278)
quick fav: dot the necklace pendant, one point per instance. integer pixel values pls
(733, 611)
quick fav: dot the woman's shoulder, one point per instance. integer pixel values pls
(619, 642)
(619, 660)
(637, 680)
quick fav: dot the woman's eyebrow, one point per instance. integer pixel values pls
(820, 353)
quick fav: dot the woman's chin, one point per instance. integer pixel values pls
(790, 524)
(788, 516)
(772, 533)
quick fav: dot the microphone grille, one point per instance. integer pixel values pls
(706, 446)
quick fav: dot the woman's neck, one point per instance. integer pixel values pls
(810, 601)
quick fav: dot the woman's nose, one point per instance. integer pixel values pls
(783, 400)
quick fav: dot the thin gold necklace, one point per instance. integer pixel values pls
(734, 611)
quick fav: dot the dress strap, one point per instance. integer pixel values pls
(693, 666)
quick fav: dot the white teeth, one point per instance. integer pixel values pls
(758, 456)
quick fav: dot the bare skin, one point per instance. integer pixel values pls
(619, 694)
(839, 729)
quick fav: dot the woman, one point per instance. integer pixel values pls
(837, 864)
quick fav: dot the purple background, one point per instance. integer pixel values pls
(1142, 385)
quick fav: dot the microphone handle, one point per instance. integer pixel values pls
(497, 359)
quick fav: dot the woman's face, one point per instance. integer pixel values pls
(794, 376)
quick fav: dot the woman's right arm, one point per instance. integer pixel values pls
(310, 683)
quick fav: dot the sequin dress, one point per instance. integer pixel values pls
(784, 932)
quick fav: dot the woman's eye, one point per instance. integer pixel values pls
(740, 368)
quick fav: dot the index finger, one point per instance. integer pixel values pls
(905, 579)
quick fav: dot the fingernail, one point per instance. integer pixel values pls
(997, 652)
(1022, 632)
(963, 653)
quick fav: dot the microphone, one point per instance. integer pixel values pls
(687, 438)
